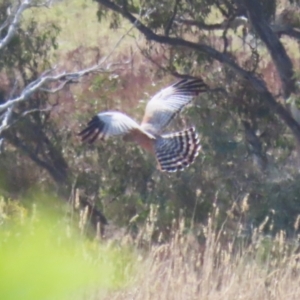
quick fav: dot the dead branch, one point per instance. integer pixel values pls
(14, 22)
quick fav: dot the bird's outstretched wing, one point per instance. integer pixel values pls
(108, 124)
(162, 108)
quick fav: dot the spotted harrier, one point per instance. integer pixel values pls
(173, 151)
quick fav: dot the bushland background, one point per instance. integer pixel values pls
(228, 226)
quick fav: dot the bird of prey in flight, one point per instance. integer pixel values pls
(173, 151)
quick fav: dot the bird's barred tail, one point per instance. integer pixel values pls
(178, 150)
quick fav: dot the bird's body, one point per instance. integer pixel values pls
(139, 137)
(173, 151)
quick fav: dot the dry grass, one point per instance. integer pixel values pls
(180, 275)
(218, 268)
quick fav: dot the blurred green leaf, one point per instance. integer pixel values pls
(45, 260)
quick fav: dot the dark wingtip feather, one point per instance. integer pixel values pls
(192, 84)
(92, 131)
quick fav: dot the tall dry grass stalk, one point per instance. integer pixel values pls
(219, 268)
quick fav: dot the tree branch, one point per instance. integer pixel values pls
(171, 21)
(44, 79)
(235, 23)
(14, 23)
(291, 32)
(6, 119)
(232, 23)
(200, 25)
(282, 61)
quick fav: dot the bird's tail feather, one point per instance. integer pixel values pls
(178, 150)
